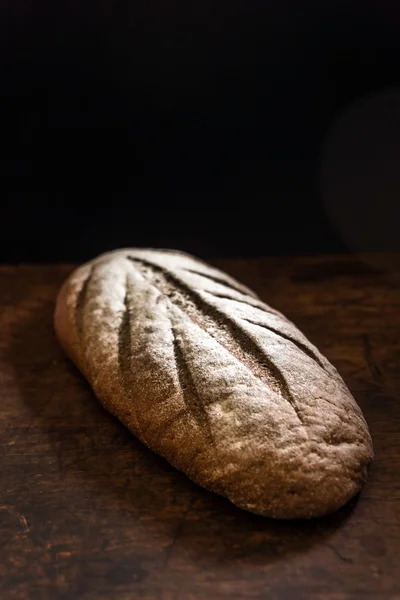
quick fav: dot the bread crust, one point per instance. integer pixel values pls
(223, 386)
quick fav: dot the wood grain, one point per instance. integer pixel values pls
(88, 512)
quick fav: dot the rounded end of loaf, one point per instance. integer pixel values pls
(311, 486)
(64, 318)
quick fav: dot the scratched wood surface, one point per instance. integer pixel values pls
(88, 512)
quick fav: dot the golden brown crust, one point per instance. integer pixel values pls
(220, 384)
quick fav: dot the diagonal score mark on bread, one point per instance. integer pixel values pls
(193, 400)
(241, 293)
(124, 335)
(233, 337)
(242, 301)
(222, 281)
(301, 346)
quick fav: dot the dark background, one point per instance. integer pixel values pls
(212, 127)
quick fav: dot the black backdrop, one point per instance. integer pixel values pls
(197, 125)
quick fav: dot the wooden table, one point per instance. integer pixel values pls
(86, 511)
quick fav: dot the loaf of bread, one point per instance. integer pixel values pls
(223, 386)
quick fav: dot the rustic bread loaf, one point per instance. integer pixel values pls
(217, 382)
